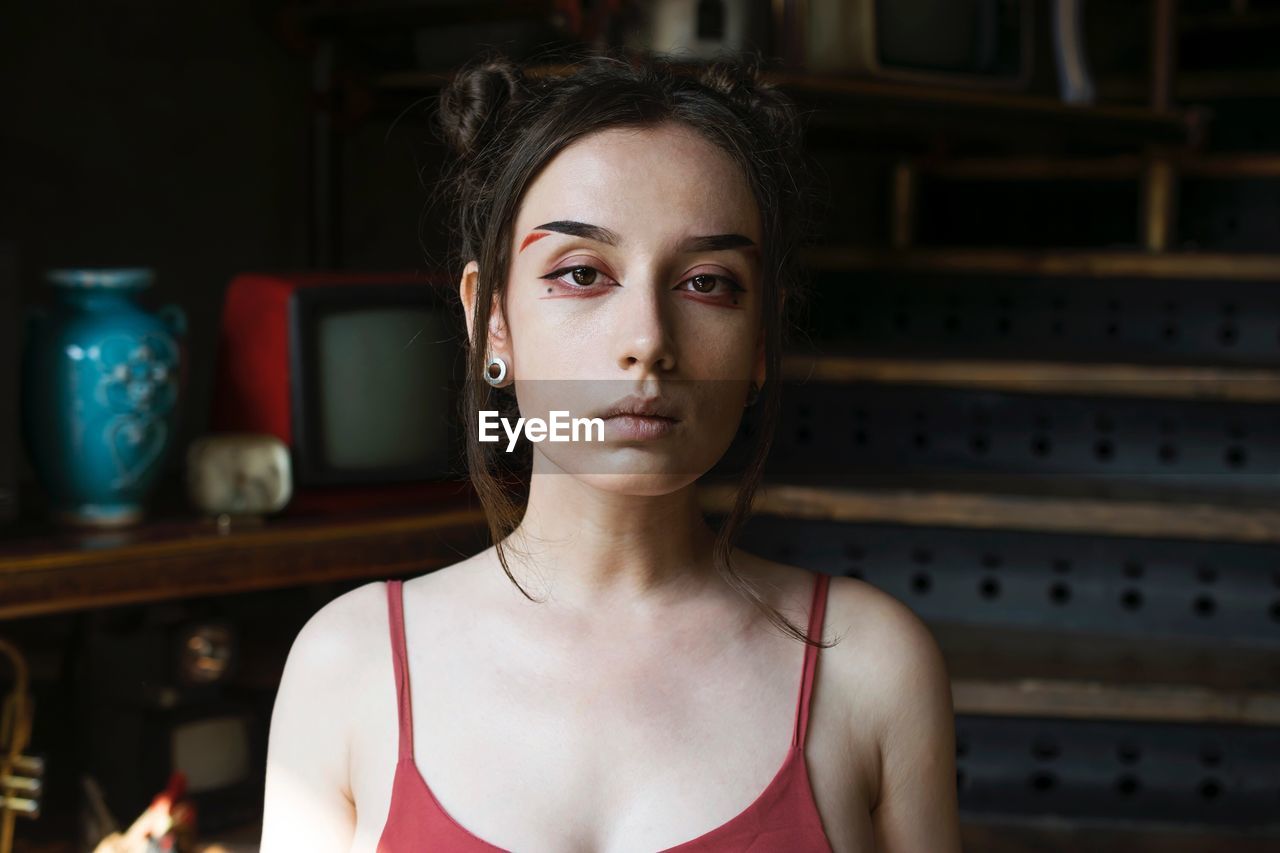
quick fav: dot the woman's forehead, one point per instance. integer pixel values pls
(656, 180)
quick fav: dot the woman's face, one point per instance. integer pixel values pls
(635, 272)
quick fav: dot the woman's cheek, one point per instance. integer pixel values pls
(719, 356)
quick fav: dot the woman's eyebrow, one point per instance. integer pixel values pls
(574, 229)
(718, 243)
(710, 243)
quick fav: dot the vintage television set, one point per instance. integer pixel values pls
(972, 43)
(157, 690)
(358, 373)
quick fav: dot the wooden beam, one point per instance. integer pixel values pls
(904, 204)
(1197, 85)
(1164, 47)
(1245, 166)
(1040, 513)
(1169, 703)
(1050, 262)
(839, 96)
(987, 653)
(1159, 209)
(1054, 833)
(1253, 385)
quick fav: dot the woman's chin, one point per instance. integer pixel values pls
(636, 483)
(630, 469)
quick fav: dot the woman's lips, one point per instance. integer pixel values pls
(638, 427)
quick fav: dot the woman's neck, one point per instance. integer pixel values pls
(592, 550)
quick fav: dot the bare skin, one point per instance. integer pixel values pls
(640, 702)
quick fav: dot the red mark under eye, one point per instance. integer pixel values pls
(536, 235)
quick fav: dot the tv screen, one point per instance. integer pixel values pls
(214, 753)
(383, 387)
(375, 390)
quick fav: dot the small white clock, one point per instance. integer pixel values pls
(239, 473)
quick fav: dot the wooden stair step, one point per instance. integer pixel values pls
(1190, 518)
(1049, 262)
(1252, 385)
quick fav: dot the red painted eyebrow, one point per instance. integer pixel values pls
(536, 235)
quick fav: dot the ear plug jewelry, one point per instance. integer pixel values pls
(495, 361)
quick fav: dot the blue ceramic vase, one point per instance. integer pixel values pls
(100, 382)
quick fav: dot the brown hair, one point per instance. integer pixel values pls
(503, 124)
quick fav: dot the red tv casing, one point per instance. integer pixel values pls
(253, 383)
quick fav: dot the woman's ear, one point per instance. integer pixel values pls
(467, 293)
(496, 341)
(467, 289)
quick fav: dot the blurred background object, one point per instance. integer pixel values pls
(978, 43)
(239, 474)
(695, 29)
(168, 823)
(356, 373)
(101, 381)
(20, 774)
(10, 339)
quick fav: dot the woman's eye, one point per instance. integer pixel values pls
(706, 283)
(581, 277)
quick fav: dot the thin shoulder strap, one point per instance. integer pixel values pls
(810, 658)
(400, 658)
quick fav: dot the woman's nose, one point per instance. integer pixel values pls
(643, 334)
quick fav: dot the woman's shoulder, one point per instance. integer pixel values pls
(882, 654)
(336, 646)
(354, 628)
(322, 691)
(891, 674)
(343, 628)
(862, 617)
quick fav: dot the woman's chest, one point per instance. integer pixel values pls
(638, 760)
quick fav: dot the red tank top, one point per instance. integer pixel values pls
(783, 818)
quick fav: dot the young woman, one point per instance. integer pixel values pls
(614, 675)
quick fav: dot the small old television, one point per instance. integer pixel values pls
(158, 689)
(358, 373)
(971, 43)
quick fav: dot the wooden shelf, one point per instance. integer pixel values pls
(1119, 167)
(186, 559)
(1018, 672)
(380, 17)
(1044, 377)
(985, 654)
(1048, 262)
(1106, 121)
(1252, 19)
(1091, 699)
(905, 504)
(1024, 672)
(878, 105)
(1195, 86)
(1054, 834)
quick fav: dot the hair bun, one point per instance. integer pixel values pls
(738, 79)
(473, 103)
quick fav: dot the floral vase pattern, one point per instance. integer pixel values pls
(100, 383)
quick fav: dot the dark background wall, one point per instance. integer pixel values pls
(153, 133)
